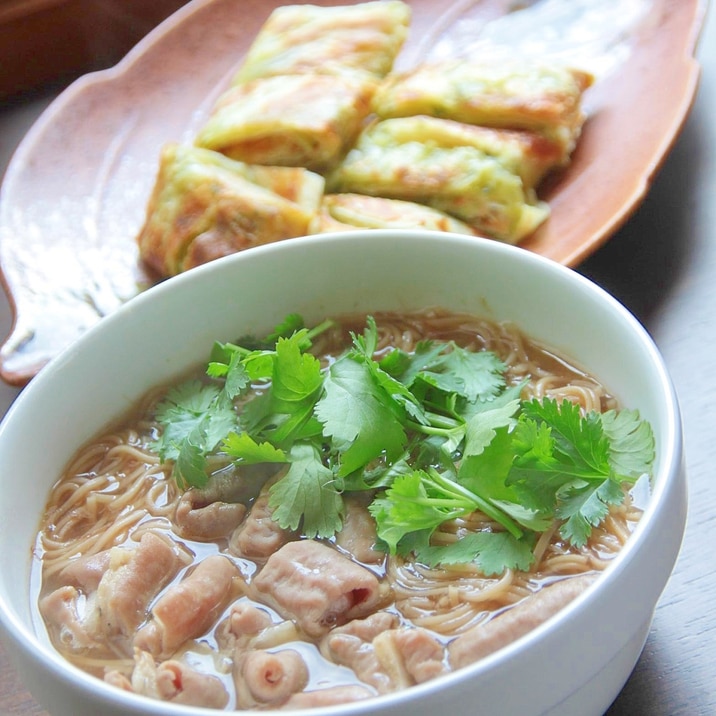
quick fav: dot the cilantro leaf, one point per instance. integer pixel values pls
(305, 495)
(358, 416)
(579, 441)
(407, 506)
(631, 452)
(291, 323)
(246, 451)
(425, 355)
(193, 409)
(190, 467)
(564, 463)
(424, 499)
(296, 375)
(476, 375)
(481, 428)
(493, 552)
(364, 348)
(584, 506)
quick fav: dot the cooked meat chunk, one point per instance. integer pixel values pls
(317, 586)
(178, 683)
(360, 656)
(118, 680)
(369, 628)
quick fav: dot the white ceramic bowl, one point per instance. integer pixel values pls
(576, 662)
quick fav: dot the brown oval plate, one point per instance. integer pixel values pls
(74, 194)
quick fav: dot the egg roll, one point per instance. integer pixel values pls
(345, 212)
(205, 205)
(290, 120)
(521, 94)
(529, 155)
(462, 180)
(362, 39)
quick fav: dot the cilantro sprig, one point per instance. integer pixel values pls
(435, 434)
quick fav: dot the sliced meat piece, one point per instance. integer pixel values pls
(259, 535)
(269, 678)
(486, 638)
(317, 587)
(190, 608)
(327, 697)
(358, 535)
(132, 581)
(175, 682)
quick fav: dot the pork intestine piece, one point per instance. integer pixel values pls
(486, 638)
(331, 696)
(358, 536)
(212, 521)
(316, 586)
(91, 608)
(133, 579)
(384, 654)
(268, 678)
(243, 623)
(410, 655)
(352, 646)
(190, 608)
(259, 535)
(172, 681)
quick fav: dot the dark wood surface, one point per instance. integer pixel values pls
(662, 266)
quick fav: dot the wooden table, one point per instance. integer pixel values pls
(662, 265)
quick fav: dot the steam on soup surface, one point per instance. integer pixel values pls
(337, 513)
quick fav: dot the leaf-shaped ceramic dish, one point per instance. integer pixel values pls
(75, 192)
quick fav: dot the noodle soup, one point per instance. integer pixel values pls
(281, 566)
